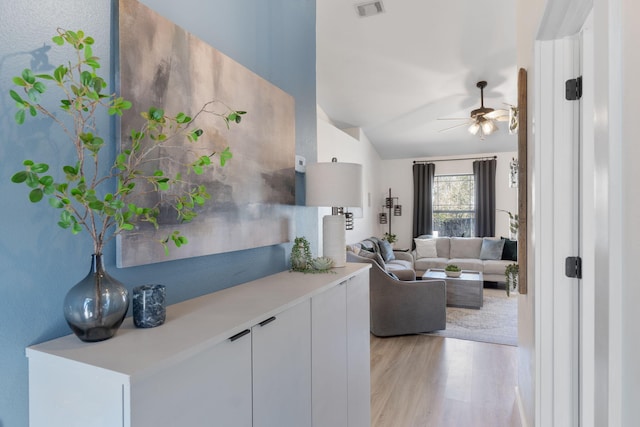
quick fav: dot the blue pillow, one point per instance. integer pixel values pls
(386, 250)
(491, 248)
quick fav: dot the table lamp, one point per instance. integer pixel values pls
(336, 185)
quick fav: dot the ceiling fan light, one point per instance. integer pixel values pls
(488, 127)
(474, 128)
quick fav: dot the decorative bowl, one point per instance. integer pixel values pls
(321, 263)
(452, 273)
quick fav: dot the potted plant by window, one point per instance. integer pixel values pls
(513, 224)
(94, 194)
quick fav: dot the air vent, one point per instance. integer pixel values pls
(369, 9)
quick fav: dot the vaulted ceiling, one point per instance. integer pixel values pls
(394, 74)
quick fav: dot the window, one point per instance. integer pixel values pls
(454, 207)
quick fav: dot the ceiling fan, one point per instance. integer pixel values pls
(483, 120)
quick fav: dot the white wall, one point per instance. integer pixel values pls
(398, 175)
(333, 142)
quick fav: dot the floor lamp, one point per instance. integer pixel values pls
(335, 185)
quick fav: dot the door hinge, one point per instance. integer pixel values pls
(573, 89)
(573, 267)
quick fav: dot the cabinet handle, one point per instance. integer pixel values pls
(239, 335)
(266, 322)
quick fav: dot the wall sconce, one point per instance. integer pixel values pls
(390, 203)
(348, 221)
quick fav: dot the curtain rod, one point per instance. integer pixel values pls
(451, 160)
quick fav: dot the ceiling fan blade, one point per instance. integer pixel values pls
(500, 115)
(454, 118)
(453, 127)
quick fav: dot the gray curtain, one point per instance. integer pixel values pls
(484, 172)
(423, 174)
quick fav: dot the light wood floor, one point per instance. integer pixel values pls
(426, 381)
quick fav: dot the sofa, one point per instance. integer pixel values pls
(403, 307)
(398, 263)
(488, 255)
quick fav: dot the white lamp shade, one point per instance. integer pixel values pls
(334, 184)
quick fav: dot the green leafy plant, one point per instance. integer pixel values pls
(513, 221)
(302, 260)
(301, 255)
(452, 267)
(391, 238)
(106, 205)
(511, 277)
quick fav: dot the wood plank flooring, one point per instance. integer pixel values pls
(428, 381)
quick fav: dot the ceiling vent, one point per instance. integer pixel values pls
(369, 9)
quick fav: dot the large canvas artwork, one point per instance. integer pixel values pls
(162, 65)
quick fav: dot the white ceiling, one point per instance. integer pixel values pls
(394, 74)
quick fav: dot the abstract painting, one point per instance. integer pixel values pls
(162, 65)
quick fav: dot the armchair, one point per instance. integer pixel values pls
(400, 307)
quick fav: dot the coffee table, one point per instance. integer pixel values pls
(465, 291)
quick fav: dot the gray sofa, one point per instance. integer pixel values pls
(399, 307)
(399, 263)
(468, 254)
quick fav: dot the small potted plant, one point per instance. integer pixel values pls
(511, 278)
(302, 260)
(300, 255)
(391, 238)
(452, 270)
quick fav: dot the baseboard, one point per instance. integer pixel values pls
(523, 420)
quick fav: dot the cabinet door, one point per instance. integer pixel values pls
(358, 338)
(63, 393)
(282, 369)
(329, 357)
(212, 388)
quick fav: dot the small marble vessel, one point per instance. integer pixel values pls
(149, 307)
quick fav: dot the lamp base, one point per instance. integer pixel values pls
(334, 240)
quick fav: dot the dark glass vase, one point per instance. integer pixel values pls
(97, 305)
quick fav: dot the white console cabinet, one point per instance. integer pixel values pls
(249, 355)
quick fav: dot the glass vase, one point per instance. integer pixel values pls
(96, 306)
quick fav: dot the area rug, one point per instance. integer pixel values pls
(496, 322)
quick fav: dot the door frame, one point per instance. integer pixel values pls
(556, 213)
(601, 336)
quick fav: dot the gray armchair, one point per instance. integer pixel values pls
(401, 307)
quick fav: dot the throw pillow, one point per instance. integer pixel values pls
(465, 247)
(491, 248)
(374, 256)
(510, 250)
(426, 248)
(386, 250)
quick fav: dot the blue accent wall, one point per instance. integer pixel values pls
(39, 261)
